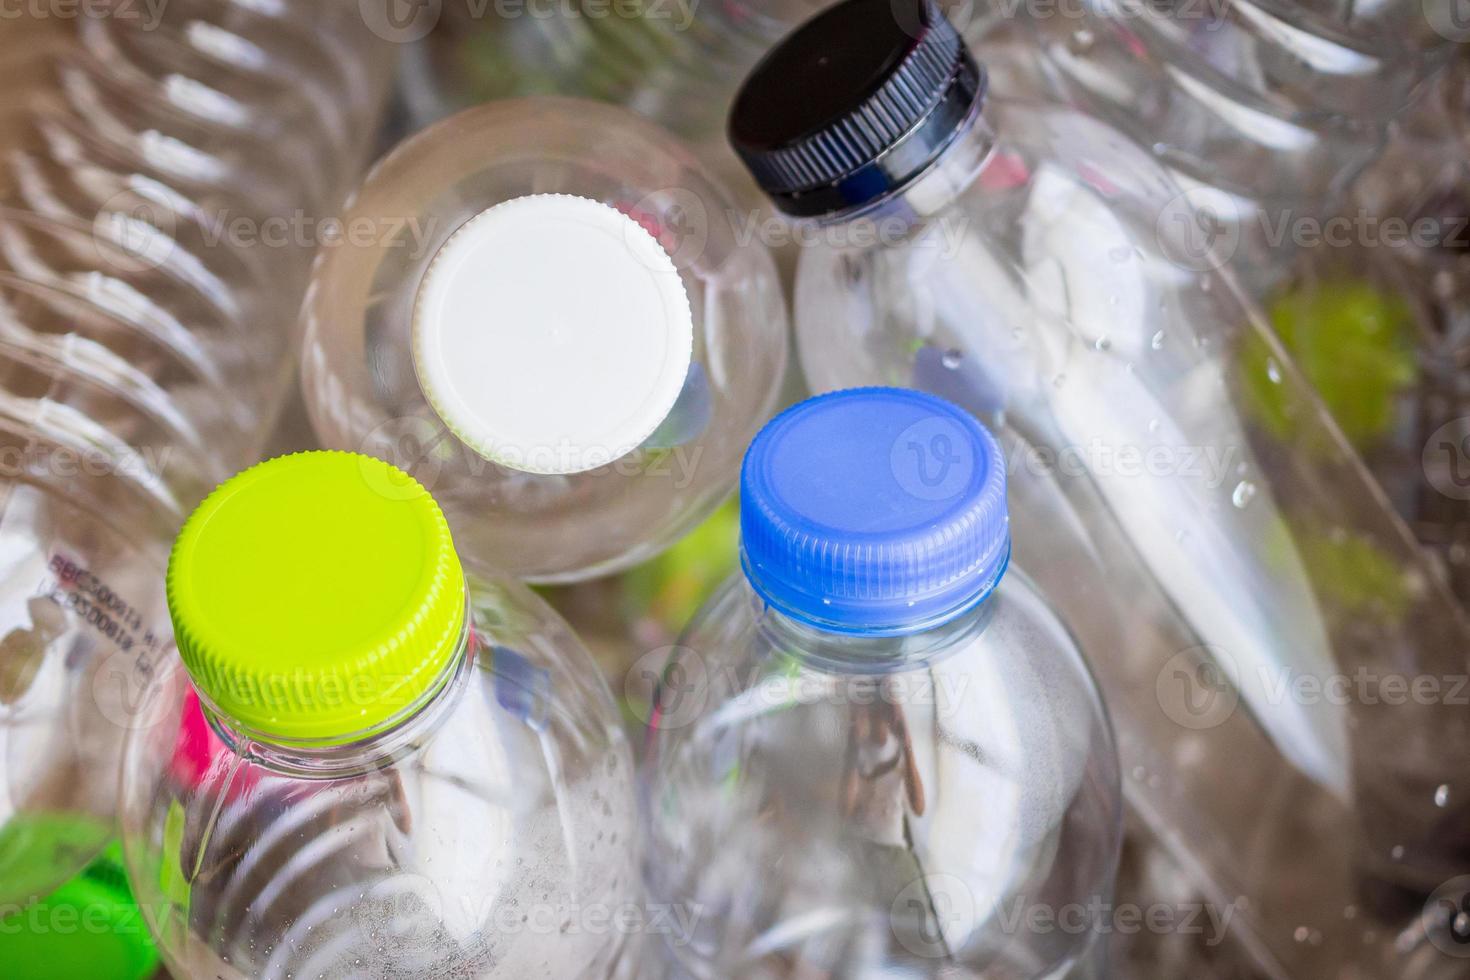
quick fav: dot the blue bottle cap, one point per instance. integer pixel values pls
(879, 511)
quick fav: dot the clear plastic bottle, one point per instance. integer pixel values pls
(877, 747)
(84, 533)
(676, 63)
(401, 771)
(143, 353)
(1264, 110)
(569, 334)
(143, 148)
(1031, 264)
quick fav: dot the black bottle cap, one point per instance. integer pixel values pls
(854, 104)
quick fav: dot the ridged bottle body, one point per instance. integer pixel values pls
(491, 834)
(1228, 539)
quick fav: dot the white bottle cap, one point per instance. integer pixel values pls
(552, 334)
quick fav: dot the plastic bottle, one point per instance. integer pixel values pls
(84, 537)
(1241, 585)
(881, 718)
(1407, 254)
(401, 770)
(675, 63)
(143, 149)
(570, 334)
(143, 351)
(1263, 111)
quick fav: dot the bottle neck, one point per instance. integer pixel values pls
(356, 752)
(859, 653)
(939, 186)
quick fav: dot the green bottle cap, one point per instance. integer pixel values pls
(316, 597)
(89, 927)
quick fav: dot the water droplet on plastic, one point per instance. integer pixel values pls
(952, 359)
(1157, 342)
(1102, 344)
(1245, 492)
(1273, 370)
(1442, 796)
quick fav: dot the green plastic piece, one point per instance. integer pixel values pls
(671, 587)
(316, 597)
(88, 929)
(1354, 343)
(39, 850)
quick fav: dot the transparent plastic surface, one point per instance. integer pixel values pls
(1270, 595)
(143, 146)
(1381, 332)
(489, 834)
(363, 392)
(860, 806)
(83, 536)
(678, 64)
(144, 349)
(1264, 110)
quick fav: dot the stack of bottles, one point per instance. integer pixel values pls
(146, 343)
(1097, 561)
